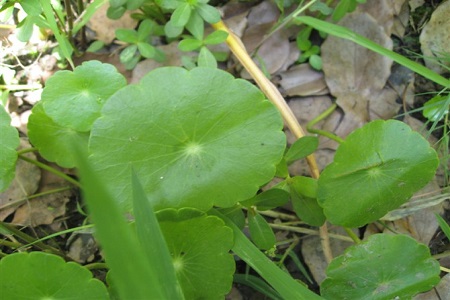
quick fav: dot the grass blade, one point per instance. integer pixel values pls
(347, 34)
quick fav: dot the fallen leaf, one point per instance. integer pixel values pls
(302, 80)
(353, 73)
(25, 183)
(435, 39)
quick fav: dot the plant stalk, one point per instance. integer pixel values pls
(237, 47)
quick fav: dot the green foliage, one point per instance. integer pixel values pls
(385, 163)
(303, 191)
(183, 130)
(9, 141)
(437, 108)
(139, 44)
(383, 267)
(261, 233)
(199, 245)
(40, 275)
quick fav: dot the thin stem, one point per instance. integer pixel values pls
(237, 47)
(69, 13)
(96, 266)
(352, 235)
(309, 231)
(50, 169)
(23, 200)
(29, 239)
(20, 87)
(319, 118)
(27, 150)
(12, 245)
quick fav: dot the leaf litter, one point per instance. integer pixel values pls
(366, 87)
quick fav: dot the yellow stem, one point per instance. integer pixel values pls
(237, 47)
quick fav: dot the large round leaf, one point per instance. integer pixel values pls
(383, 267)
(200, 246)
(55, 142)
(39, 275)
(195, 138)
(74, 99)
(378, 168)
(9, 141)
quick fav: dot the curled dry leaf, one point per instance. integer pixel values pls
(353, 73)
(435, 39)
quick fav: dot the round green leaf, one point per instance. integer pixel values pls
(195, 138)
(378, 168)
(74, 99)
(199, 245)
(55, 142)
(383, 267)
(40, 275)
(9, 141)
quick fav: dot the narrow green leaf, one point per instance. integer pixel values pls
(128, 53)
(145, 29)
(146, 50)
(181, 15)
(301, 148)
(444, 226)
(127, 35)
(303, 192)
(189, 44)
(133, 274)
(235, 214)
(9, 141)
(115, 13)
(347, 34)
(281, 281)
(25, 29)
(208, 13)
(206, 59)
(268, 199)
(436, 108)
(260, 231)
(196, 25)
(341, 9)
(95, 46)
(31, 7)
(257, 284)
(152, 241)
(171, 30)
(216, 37)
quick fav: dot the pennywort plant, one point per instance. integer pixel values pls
(183, 153)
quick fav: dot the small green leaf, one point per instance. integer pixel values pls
(208, 13)
(341, 9)
(74, 99)
(383, 267)
(171, 30)
(9, 141)
(188, 135)
(323, 8)
(127, 35)
(268, 199)
(376, 169)
(196, 25)
(128, 54)
(200, 246)
(315, 62)
(144, 30)
(261, 233)
(40, 275)
(436, 108)
(25, 29)
(95, 46)
(117, 3)
(444, 226)
(55, 142)
(303, 42)
(189, 44)
(206, 59)
(303, 191)
(31, 7)
(181, 15)
(301, 148)
(146, 50)
(235, 214)
(282, 169)
(216, 37)
(115, 13)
